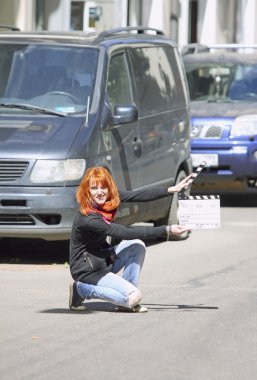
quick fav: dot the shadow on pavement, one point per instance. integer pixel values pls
(163, 307)
(25, 251)
(110, 308)
(239, 200)
(30, 251)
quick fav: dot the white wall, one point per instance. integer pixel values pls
(218, 20)
(207, 25)
(248, 32)
(18, 13)
(58, 14)
(183, 23)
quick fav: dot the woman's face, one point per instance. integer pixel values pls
(99, 192)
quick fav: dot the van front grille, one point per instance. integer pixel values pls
(12, 170)
(16, 219)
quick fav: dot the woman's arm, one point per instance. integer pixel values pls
(153, 193)
(96, 224)
(181, 185)
(143, 195)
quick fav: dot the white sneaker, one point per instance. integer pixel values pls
(135, 309)
(139, 309)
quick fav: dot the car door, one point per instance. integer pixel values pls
(125, 136)
(161, 118)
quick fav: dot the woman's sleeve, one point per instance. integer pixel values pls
(143, 195)
(96, 224)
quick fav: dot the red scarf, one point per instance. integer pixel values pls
(107, 215)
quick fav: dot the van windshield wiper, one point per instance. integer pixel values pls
(32, 108)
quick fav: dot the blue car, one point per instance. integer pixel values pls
(222, 82)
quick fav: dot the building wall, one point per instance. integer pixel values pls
(214, 21)
(57, 14)
(18, 13)
(247, 19)
(217, 21)
(8, 12)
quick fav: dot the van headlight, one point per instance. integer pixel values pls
(47, 171)
(244, 126)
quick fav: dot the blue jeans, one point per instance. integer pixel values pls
(112, 287)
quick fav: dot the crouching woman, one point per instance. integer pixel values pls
(94, 264)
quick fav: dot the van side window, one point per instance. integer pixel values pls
(177, 78)
(118, 84)
(157, 80)
(149, 79)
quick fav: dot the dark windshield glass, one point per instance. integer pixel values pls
(59, 78)
(222, 82)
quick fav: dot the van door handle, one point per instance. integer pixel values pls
(137, 146)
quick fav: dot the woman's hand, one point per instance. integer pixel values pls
(181, 185)
(176, 229)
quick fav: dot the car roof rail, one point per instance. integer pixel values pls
(199, 48)
(234, 46)
(8, 27)
(195, 48)
(138, 29)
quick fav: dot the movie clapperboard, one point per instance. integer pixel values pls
(199, 211)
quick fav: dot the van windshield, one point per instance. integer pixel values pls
(57, 78)
(226, 82)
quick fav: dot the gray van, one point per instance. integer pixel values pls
(69, 101)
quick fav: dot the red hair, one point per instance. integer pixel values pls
(101, 176)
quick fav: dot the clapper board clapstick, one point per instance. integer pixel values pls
(198, 170)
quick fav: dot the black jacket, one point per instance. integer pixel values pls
(89, 251)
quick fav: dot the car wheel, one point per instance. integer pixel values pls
(172, 217)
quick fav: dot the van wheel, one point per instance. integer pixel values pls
(172, 217)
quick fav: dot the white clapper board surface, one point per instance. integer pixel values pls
(199, 211)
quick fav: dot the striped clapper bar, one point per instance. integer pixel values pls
(199, 211)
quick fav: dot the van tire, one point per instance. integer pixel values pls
(172, 217)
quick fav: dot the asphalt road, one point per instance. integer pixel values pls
(201, 325)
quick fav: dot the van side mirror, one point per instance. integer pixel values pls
(124, 114)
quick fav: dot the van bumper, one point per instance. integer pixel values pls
(37, 212)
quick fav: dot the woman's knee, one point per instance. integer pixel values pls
(126, 244)
(139, 242)
(139, 249)
(134, 298)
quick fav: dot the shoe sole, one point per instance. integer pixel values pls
(141, 310)
(79, 308)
